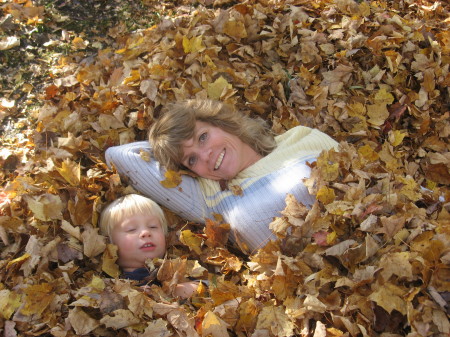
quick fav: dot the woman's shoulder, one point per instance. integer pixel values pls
(298, 133)
(128, 146)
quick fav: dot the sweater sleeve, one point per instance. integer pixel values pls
(145, 176)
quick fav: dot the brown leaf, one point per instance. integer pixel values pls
(216, 233)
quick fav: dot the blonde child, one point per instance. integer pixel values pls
(138, 227)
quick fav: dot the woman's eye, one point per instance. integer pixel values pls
(203, 137)
(191, 161)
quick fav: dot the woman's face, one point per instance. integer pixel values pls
(216, 154)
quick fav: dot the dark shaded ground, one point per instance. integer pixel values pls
(25, 69)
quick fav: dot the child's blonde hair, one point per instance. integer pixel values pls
(128, 206)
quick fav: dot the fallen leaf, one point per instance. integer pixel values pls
(173, 179)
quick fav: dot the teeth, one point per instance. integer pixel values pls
(219, 160)
(147, 245)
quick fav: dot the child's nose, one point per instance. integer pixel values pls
(145, 232)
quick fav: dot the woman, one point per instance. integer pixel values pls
(244, 173)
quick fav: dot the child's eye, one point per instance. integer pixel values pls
(129, 230)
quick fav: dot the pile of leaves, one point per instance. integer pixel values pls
(371, 257)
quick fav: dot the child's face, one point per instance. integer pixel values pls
(138, 238)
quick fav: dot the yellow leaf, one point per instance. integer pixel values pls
(97, 284)
(158, 71)
(37, 298)
(79, 43)
(135, 75)
(193, 45)
(173, 179)
(145, 155)
(46, 207)
(247, 313)
(368, 153)
(331, 238)
(326, 195)
(209, 62)
(19, 260)
(70, 171)
(214, 326)
(364, 9)
(396, 137)
(191, 240)
(216, 89)
(394, 59)
(356, 109)
(109, 265)
(382, 96)
(9, 302)
(409, 188)
(329, 169)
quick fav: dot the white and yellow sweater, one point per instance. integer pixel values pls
(264, 185)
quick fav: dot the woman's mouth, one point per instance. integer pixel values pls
(219, 160)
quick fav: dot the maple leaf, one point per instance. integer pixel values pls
(93, 243)
(173, 179)
(193, 45)
(214, 325)
(192, 240)
(216, 233)
(46, 206)
(37, 299)
(81, 322)
(9, 303)
(274, 319)
(217, 88)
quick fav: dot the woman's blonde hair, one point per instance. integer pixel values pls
(177, 124)
(127, 206)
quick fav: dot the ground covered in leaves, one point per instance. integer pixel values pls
(370, 258)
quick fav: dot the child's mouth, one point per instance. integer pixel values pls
(148, 246)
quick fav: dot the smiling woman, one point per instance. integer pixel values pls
(225, 148)
(216, 154)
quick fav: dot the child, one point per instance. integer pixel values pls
(138, 227)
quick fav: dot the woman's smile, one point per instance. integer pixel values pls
(219, 160)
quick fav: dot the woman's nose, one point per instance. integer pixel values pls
(205, 154)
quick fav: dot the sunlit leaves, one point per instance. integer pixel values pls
(369, 256)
